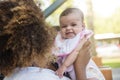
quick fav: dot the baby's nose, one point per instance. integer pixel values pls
(68, 27)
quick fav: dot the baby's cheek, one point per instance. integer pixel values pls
(63, 36)
(78, 30)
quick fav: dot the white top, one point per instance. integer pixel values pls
(66, 46)
(34, 73)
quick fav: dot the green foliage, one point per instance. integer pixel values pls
(113, 64)
(109, 24)
(116, 20)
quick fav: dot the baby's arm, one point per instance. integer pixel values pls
(70, 59)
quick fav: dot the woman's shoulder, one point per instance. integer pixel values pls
(34, 73)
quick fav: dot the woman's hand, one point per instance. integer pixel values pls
(82, 61)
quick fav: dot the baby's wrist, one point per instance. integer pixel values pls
(76, 51)
(64, 66)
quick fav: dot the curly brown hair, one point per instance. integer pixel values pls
(5, 13)
(27, 39)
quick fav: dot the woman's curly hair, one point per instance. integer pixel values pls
(26, 39)
(5, 13)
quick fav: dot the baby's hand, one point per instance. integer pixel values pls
(61, 71)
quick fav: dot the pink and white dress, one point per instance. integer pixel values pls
(66, 46)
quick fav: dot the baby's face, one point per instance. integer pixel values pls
(71, 25)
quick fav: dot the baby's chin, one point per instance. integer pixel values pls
(70, 37)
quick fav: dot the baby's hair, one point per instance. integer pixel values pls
(72, 10)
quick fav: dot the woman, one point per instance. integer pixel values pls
(25, 43)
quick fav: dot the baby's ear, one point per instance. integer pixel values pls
(83, 25)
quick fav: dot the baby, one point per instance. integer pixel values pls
(72, 32)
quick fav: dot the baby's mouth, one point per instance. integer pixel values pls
(69, 32)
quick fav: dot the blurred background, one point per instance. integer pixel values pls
(103, 17)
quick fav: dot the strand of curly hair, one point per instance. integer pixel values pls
(27, 39)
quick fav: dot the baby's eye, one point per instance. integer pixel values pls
(63, 26)
(74, 25)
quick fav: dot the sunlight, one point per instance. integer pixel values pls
(103, 8)
(81, 5)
